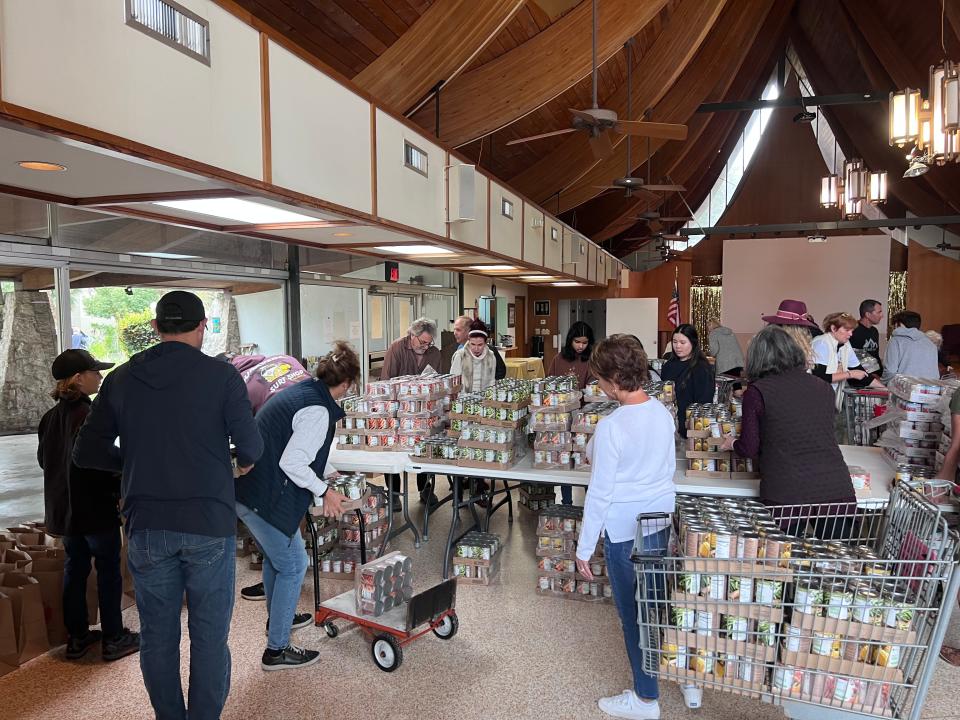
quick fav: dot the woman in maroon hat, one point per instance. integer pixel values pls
(793, 317)
(81, 506)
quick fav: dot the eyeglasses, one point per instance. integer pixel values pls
(420, 342)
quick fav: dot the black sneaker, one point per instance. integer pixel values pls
(126, 643)
(300, 620)
(78, 646)
(289, 658)
(397, 504)
(254, 592)
(429, 498)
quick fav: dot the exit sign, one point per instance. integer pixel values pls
(391, 272)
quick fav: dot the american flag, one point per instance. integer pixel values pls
(673, 312)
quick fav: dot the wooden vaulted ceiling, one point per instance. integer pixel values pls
(512, 68)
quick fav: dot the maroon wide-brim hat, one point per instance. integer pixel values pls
(790, 312)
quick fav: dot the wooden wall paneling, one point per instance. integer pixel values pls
(435, 49)
(719, 58)
(265, 107)
(688, 27)
(933, 286)
(538, 70)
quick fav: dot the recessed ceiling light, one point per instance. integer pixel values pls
(166, 255)
(414, 249)
(440, 286)
(343, 234)
(41, 165)
(537, 277)
(565, 284)
(492, 267)
(242, 211)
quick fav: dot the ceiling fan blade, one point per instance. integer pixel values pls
(664, 188)
(664, 131)
(601, 146)
(655, 226)
(541, 136)
(607, 187)
(686, 218)
(586, 117)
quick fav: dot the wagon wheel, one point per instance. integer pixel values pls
(447, 628)
(386, 651)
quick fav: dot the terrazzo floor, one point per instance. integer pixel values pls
(517, 655)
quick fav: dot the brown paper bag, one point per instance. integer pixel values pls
(29, 625)
(17, 557)
(48, 573)
(9, 657)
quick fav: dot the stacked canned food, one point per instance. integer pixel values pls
(436, 450)
(353, 485)
(474, 457)
(592, 393)
(718, 420)
(546, 420)
(476, 558)
(537, 497)
(474, 432)
(661, 390)
(557, 531)
(384, 584)
(552, 449)
(509, 390)
(586, 420)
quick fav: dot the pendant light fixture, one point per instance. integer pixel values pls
(830, 185)
(904, 117)
(878, 188)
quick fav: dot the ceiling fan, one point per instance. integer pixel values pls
(597, 120)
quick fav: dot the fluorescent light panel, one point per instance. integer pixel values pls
(241, 211)
(538, 277)
(493, 267)
(414, 249)
(166, 255)
(565, 284)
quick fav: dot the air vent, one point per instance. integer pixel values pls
(171, 24)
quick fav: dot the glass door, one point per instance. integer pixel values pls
(404, 313)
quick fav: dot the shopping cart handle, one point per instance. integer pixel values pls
(651, 554)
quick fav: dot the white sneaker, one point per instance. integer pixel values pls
(628, 705)
(692, 696)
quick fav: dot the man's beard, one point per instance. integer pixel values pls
(420, 351)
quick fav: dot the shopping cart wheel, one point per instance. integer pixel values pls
(447, 628)
(332, 630)
(386, 651)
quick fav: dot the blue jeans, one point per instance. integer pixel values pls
(164, 564)
(284, 566)
(104, 549)
(623, 582)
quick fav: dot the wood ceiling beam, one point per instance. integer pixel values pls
(518, 82)
(704, 131)
(435, 49)
(717, 63)
(685, 32)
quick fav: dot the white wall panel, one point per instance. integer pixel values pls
(404, 195)
(474, 231)
(261, 318)
(532, 236)
(553, 245)
(320, 134)
(78, 60)
(634, 316)
(506, 234)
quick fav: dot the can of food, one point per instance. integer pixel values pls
(825, 644)
(778, 547)
(607, 590)
(724, 542)
(336, 566)
(703, 661)
(595, 589)
(583, 588)
(736, 628)
(766, 633)
(706, 622)
(839, 600)
(558, 543)
(325, 565)
(867, 606)
(683, 618)
(596, 568)
(787, 679)
(769, 592)
(795, 639)
(689, 583)
(348, 566)
(814, 684)
(740, 589)
(748, 544)
(846, 690)
(899, 612)
(807, 597)
(856, 651)
(544, 582)
(718, 587)
(888, 656)
(693, 542)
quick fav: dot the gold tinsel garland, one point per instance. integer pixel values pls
(897, 298)
(706, 293)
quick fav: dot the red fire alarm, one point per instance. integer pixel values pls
(391, 272)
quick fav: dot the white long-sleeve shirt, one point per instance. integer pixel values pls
(310, 427)
(633, 462)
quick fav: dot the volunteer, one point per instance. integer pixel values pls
(788, 426)
(476, 362)
(725, 347)
(82, 506)
(909, 351)
(574, 358)
(689, 370)
(834, 358)
(632, 466)
(297, 427)
(793, 318)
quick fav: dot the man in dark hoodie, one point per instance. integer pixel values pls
(175, 411)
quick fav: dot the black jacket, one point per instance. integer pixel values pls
(175, 411)
(77, 501)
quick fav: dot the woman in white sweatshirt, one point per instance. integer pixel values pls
(633, 461)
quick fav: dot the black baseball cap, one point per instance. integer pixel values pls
(71, 362)
(180, 306)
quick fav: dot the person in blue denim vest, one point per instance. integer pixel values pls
(297, 427)
(175, 412)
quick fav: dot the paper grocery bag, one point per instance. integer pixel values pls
(48, 572)
(29, 625)
(9, 657)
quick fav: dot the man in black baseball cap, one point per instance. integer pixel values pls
(73, 362)
(176, 411)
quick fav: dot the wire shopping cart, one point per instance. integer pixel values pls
(860, 406)
(829, 611)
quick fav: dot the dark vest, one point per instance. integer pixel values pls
(800, 461)
(266, 489)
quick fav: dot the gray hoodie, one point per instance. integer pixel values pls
(725, 348)
(910, 352)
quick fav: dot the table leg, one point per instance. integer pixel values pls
(408, 523)
(431, 510)
(454, 524)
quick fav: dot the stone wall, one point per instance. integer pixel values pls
(228, 339)
(28, 345)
